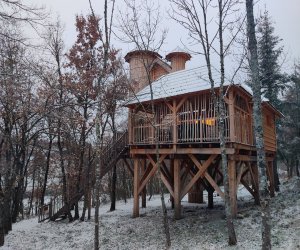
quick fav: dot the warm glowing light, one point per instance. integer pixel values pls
(208, 121)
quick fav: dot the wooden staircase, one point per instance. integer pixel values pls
(111, 153)
(115, 149)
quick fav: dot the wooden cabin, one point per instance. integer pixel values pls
(185, 126)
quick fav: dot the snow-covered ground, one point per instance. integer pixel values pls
(200, 228)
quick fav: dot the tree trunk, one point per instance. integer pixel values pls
(32, 192)
(210, 194)
(47, 170)
(229, 220)
(64, 178)
(258, 128)
(1, 217)
(89, 203)
(124, 184)
(97, 198)
(113, 189)
(276, 176)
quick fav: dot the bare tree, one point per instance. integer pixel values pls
(20, 123)
(258, 126)
(17, 12)
(116, 91)
(210, 32)
(102, 117)
(139, 26)
(55, 89)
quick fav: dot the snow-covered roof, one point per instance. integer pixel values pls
(179, 83)
(184, 82)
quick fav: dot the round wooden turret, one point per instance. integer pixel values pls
(178, 60)
(140, 62)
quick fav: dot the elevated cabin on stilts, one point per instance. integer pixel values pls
(185, 125)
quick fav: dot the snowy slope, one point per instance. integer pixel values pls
(200, 227)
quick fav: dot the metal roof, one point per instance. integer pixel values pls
(184, 82)
(176, 83)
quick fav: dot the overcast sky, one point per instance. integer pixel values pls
(285, 14)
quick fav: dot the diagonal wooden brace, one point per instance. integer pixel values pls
(200, 173)
(151, 172)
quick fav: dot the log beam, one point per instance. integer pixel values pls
(183, 151)
(200, 173)
(144, 192)
(177, 188)
(214, 185)
(151, 172)
(136, 176)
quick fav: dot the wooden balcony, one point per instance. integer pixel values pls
(192, 120)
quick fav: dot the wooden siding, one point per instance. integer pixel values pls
(178, 63)
(269, 129)
(243, 125)
(157, 71)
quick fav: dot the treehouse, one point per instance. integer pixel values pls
(178, 119)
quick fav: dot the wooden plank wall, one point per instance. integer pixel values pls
(269, 130)
(243, 121)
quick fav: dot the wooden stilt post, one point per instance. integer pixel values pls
(136, 181)
(172, 175)
(232, 187)
(177, 189)
(144, 192)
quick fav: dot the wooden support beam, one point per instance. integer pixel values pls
(170, 106)
(174, 117)
(232, 187)
(182, 101)
(245, 158)
(184, 151)
(172, 176)
(146, 172)
(167, 183)
(136, 181)
(152, 171)
(128, 166)
(247, 187)
(144, 192)
(177, 188)
(166, 171)
(239, 176)
(214, 185)
(185, 174)
(200, 173)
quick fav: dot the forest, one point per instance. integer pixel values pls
(64, 158)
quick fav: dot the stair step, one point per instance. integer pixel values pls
(112, 153)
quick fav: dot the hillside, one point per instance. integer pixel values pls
(199, 229)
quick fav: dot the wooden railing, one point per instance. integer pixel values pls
(113, 151)
(48, 210)
(195, 130)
